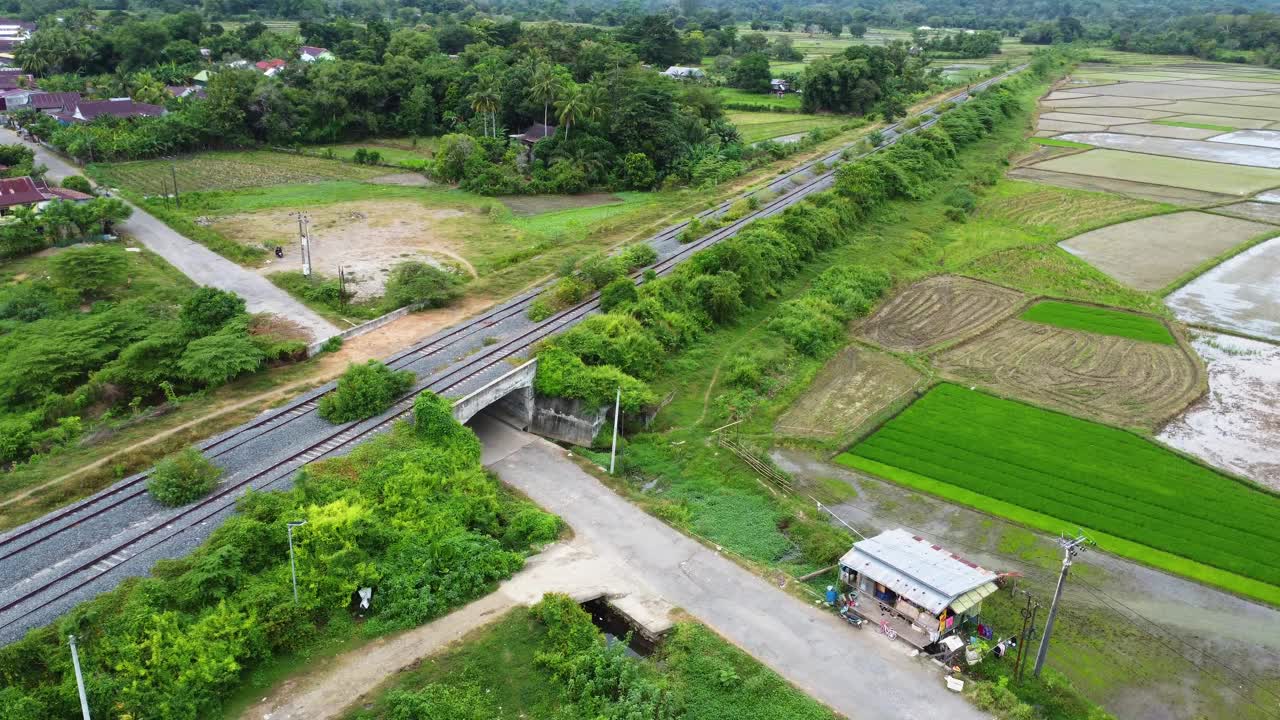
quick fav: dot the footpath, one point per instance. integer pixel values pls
(192, 259)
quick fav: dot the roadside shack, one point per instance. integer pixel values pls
(913, 589)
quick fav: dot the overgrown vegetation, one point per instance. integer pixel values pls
(550, 661)
(364, 391)
(1063, 472)
(411, 514)
(94, 331)
(182, 478)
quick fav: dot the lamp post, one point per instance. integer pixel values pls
(75, 661)
(293, 568)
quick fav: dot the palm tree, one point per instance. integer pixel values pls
(544, 86)
(484, 101)
(596, 98)
(572, 108)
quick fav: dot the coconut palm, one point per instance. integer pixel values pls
(484, 101)
(545, 86)
(572, 108)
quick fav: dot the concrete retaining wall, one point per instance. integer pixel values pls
(568, 420)
(363, 328)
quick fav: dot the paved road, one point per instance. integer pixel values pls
(857, 672)
(194, 260)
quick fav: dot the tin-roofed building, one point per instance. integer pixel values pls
(920, 590)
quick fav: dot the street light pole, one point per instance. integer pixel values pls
(293, 568)
(617, 407)
(75, 662)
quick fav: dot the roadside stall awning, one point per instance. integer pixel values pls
(925, 574)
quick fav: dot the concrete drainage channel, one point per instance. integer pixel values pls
(619, 625)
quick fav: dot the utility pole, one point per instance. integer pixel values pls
(293, 569)
(1070, 548)
(173, 171)
(304, 229)
(75, 662)
(1028, 622)
(617, 410)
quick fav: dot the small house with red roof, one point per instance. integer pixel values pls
(270, 67)
(19, 191)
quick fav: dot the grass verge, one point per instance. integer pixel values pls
(1198, 126)
(1055, 142)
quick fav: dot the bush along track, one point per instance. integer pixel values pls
(411, 514)
(718, 284)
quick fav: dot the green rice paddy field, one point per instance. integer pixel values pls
(1100, 320)
(1059, 473)
(1157, 170)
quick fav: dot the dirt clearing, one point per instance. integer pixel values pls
(365, 238)
(529, 205)
(1241, 294)
(1150, 253)
(937, 310)
(851, 388)
(1236, 426)
(1156, 170)
(1101, 377)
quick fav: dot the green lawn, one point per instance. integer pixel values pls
(410, 153)
(1059, 473)
(225, 171)
(757, 126)
(1100, 320)
(789, 101)
(498, 667)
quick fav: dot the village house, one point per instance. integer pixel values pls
(186, 91)
(918, 590)
(20, 191)
(310, 53)
(13, 33)
(89, 110)
(38, 100)
(270, 68)
(779, 86)
(680, 72)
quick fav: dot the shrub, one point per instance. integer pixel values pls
(599, 269)
(364, 391)
(79, 183)
(616, 293)
(207, 309)
(540, 310)
(638, 171)
(415, 282)
(215, 359)
(568, 291)
(89, 270)
(183, 478)
(333, 344)
(638, 255)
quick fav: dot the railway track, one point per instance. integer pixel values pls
(343, 438)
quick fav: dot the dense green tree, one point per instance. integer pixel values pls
(751, 73)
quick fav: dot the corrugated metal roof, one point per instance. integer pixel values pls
(926, 574)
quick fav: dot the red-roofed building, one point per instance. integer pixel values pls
(89, 110)
(43, 101)
(270, 67)
(19, 191)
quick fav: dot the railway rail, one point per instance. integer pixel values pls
(47, 590)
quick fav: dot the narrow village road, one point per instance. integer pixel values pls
(194, 260)
(856, 672)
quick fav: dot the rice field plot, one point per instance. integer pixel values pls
(852, 388)
(1155, 170)
(789, 102)
(1151, 253)
(1103, 321)
(757, 126)
(936, 310)
(1104, 377)
(227, 171)
(1240, 295)
(1060, 473)
(1219, 152)
(1236, 426)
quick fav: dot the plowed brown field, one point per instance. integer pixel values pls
(937, 310)
(1102, 377)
